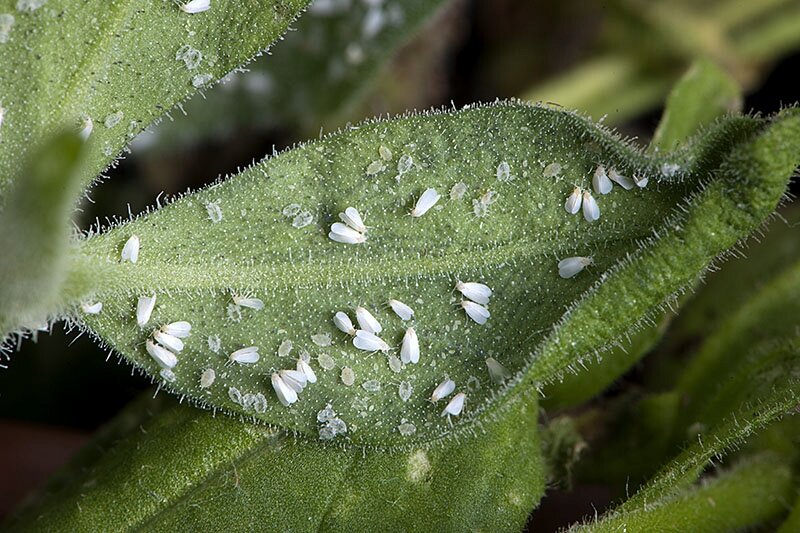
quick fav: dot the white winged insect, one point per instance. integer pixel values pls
(366, 321)
(401, 310)
(248, 355)
(443, 389)
(600, 181)
(196, 6)
(573, 202)
(352, 218)
(369, 342)
(427, 200)
(286, 395)
(476, 312)
(162, 356)
(144, 309)
(343, 322)
(130, 251)
(455, 405)
(571, 266)
(409, 351)
(477, 292)
(345, 234)
(591, 211)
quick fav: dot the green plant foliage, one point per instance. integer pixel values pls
(35, 234)
(184, 466)
(748, 494)
(119, 64)
(195, 265)
(314, 76)
(703, 94)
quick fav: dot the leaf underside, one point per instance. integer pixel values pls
(648, 244)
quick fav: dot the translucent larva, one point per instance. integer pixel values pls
(497, 372)
(168, 341)
(476, 312)
(295, 379)
(366, 321)
(573, 203)
(308, 372)
(286, 395)
(401, 310)
(616, 177)
(425, 202)
(196, 6)
(640, 182)
(343, 322)
(250, 303)
(130, 252)
(591, 211)
(207, 378)
(504, 172)
(247, 355)
(600, 181)
(409, 351)
(477, 292)
(92, 308)
(444, 389)
(353, 219)
(369, 342)
(347, 376)
(572, 265)
(180, 329)
(162, 356)
(144, 309)
(345, 234)
(456, 405)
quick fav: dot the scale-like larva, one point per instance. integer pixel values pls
(456, 405)
(409, 351)
(401, 310)
(573, 203)
(476, 312)
(130, 252)
(366, 321)
(246, 355)
(207, 378)
(572, 265)
(162, 356)
(144, 309)
(444, 389)
(477, 292)
(427, 200)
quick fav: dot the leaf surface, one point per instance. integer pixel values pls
(117, 65)
(183, 466)
(648, 244)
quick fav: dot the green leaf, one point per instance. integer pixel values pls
(194, 265)
(34, 234)
(185, 466)
(702, 95)
(120, 63)
(314, 76)
(748, 494)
